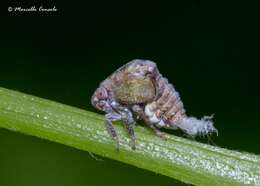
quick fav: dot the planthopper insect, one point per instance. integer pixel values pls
(137, 91)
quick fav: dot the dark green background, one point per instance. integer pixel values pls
(208, 50)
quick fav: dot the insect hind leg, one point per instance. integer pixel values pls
(140, 112)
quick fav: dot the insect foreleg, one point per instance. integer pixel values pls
(110, 127)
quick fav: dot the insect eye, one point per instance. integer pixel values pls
(101, 93)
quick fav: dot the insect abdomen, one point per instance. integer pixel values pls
(167, 107)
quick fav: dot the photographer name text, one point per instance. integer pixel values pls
(32, 9)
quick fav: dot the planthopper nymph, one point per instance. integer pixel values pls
(137, 91)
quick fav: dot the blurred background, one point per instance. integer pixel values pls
(208, 50)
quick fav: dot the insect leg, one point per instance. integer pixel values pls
(128, 120)
(110, 128)
(156, 130)
(140, 112)
(130, 130)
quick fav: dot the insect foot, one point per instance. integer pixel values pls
(137, 91)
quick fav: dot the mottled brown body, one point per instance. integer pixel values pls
(135, 90)
(138, 91)
(131, 84)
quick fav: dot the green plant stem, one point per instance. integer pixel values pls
(179, 158)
